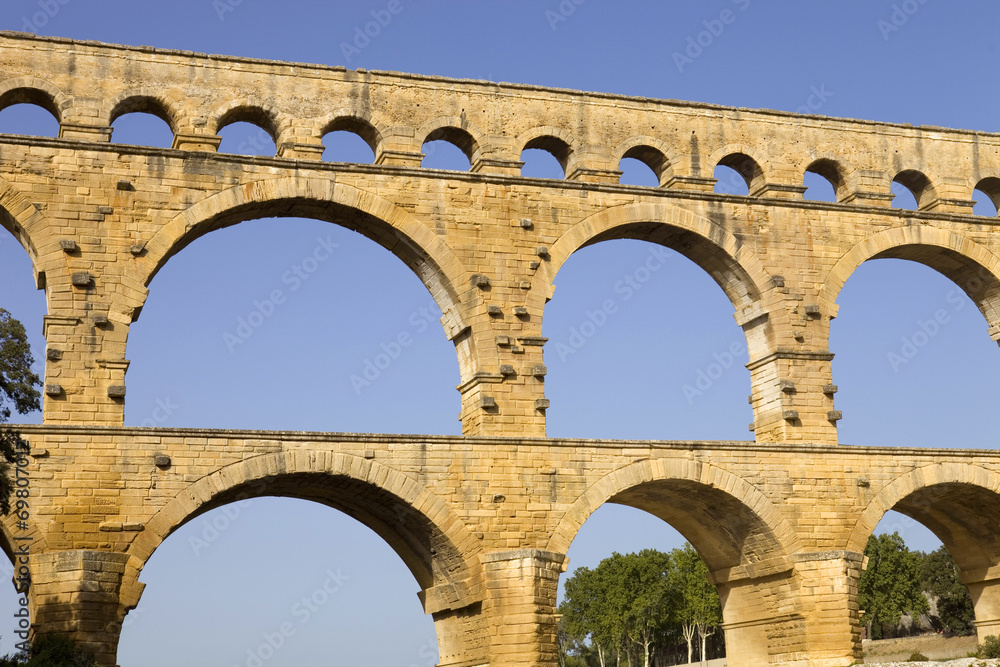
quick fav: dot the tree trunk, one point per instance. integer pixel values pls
(600, 653)
(688, 630)
(703, 634)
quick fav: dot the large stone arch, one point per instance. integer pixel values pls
(922, 494)
(437, 547)
(974, 268)
(741, 508)
(368, 214)
(732, 265)
(19, 216)
(746, 542)
(959, 503)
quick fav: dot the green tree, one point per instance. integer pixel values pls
(51, 651)
(18, 389)
(939, 579)
(585, 614)
(633, 605)
(700, 609)
(645, 596)
(890, 586)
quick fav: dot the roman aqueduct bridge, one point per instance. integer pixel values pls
(484, 520)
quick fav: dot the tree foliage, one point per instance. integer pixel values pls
(18, 389)
(939, 579)
(17, 381)
(890, 586)
(700, 609)
(631, 608)
(51, 651)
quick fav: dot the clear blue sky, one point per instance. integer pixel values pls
(208, 603)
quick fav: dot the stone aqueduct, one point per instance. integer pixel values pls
(483, 521)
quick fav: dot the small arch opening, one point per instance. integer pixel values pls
(19, 113)
(247, 130)
(142, 129)
(728, 181)
(737, 173)
(350, 139)
(987, 196)
(449, 148)
(545, 157)
(142, 121)
(246, 138)
(643, 165)
(30, 96)
(910, 188)
(635, 172)
(823, 180)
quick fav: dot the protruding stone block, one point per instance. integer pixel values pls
(82, 279)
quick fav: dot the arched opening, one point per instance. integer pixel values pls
(142, 121)
(643, 165)
(349, 139)
(911, 189)
(616, 312)
(449, 148)
(619, 529)
(28, 119)
(737, 174)
(26, 304)
(244, 138)
(949, 505)
(987, 197)
(347, 575)
(545, 157)
(339, 586)
(914, 364)
(823, 180)
(621, 363)
(303, 325)
(910, 574)
(29, 111)
(727, 534)
(247, 131)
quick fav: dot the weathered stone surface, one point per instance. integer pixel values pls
(483, 521)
